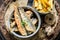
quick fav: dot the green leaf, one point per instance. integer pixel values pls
(23, 23)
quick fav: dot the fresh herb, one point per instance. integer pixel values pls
(23, 23)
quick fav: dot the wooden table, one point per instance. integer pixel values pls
(9, 37)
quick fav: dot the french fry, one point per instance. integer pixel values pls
(39, 4)
(49, 9)
(47, 3)
(37, 8)
(41, 11)
(45, 9)
(18, 22)
(35, 3)
(43, 3)
(51, 3)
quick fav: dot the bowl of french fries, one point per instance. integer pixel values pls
(43, 6)
(22, 22)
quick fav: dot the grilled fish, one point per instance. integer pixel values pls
(28, 25)
(18, 22)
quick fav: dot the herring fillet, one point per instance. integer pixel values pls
(18, 22)
(28, 25)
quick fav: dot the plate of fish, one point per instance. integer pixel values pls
(22, 22)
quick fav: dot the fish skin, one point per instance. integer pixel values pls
(29, 26)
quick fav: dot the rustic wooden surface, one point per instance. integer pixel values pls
(9, 37)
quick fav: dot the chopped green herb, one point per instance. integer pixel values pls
(23, 23)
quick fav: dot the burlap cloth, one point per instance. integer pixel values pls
(9, 37)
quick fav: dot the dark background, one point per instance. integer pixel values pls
(0, 2)
(58, 1)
